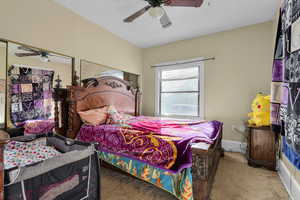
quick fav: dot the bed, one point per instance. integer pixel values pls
(193, 181)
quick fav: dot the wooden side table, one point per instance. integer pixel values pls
(262, 147)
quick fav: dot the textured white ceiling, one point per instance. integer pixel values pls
(213, 16)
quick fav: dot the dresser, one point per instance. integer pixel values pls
(262, 147)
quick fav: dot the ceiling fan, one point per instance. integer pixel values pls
(32, 52)
(156, 10)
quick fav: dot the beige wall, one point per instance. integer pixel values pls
(242, 68)
(48, 25)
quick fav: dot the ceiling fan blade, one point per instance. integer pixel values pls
(26, 54)
(184, 3)
(137, 14)
(165, 21)
(27, 49)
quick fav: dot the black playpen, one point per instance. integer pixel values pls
(74, 174)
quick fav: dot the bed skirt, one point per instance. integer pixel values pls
(179, 184)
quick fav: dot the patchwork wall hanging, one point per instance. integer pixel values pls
(285, 89)
(30, 94)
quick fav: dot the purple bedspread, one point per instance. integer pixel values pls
(166, 148)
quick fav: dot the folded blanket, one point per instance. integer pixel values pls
(38, 126)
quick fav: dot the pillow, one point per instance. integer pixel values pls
(115, 117)
(94, 117)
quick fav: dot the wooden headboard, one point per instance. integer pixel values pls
(99, 92)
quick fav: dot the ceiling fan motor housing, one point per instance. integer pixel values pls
(155, 3)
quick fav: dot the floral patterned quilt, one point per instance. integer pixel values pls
(20, 154)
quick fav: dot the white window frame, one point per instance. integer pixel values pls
(181, 65)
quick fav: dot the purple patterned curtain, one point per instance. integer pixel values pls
(285, 95)
(277, 106)
(30, 94)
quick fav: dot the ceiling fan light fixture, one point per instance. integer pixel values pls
(156, 12)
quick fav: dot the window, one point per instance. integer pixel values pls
(179, 90)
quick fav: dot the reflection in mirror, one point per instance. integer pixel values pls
(94, 70)
(2, 82)
(19, 55)
(31, 78)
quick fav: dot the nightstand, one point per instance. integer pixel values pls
(262, 147)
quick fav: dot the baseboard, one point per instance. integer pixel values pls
(234, 146)
(289, 182)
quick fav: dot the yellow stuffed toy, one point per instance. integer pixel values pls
(261, 111)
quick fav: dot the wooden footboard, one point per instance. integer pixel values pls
(204, 168)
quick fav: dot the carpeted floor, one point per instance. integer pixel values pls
(235, 180)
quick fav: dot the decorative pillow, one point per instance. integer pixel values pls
(115, 117)
(94, 117)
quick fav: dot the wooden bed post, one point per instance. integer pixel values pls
(137, 101)
(4, 137)
(60, 108)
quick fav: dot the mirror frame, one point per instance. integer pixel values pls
(5, 103)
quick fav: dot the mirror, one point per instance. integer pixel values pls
(31, 77)
(2, 82)
(34, 58)
(93, 70)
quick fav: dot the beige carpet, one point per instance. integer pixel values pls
(235, 180)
